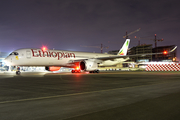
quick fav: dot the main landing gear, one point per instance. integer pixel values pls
(79, 71)
(18, 71)
(76, 71)
(95, 71)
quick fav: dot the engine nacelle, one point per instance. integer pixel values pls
(88, 65)
(52, 68)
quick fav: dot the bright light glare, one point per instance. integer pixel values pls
(77, 68)
(165, 52)
(44, 48)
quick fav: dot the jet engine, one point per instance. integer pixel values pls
(89, 65)
(52, 68)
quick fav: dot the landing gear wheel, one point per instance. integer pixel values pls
(18, 72)
(97, 71)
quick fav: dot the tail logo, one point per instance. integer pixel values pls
(124, 49)
(121, 52)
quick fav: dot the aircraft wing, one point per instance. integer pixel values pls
(126, 56)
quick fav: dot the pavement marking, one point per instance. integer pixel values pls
(61, 77)
(73, 94)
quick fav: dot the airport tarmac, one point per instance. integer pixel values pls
(86, 96)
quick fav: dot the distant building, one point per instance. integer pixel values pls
(141, 49)
(164, 57)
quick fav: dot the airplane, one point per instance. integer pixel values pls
(53, 60)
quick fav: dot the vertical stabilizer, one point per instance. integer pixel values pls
(123, 50)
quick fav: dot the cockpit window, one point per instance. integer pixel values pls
(14, 53)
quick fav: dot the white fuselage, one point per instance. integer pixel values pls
(38, 57)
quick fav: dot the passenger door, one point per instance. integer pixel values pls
(28, 54)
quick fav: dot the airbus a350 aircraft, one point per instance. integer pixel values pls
(81, 61)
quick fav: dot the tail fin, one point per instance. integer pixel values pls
(123, 50)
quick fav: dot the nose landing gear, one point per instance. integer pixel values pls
(18, 71)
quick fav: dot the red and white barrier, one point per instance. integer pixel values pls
(163, 67)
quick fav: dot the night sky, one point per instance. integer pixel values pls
(71, 24)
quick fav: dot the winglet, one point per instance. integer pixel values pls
(123, 50)
(173, 49)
